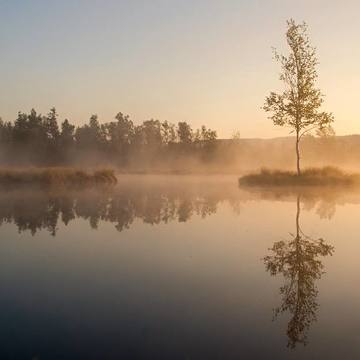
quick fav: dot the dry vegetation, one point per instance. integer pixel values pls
(326, 176)
(57, 176)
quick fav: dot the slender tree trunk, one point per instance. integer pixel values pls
(298, 216)
(298, 154)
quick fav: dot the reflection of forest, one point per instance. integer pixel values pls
(299, 261)
(43, 212)
(151, 203)
(153, 200)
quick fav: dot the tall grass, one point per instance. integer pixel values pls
(57, 176)
(326, 176)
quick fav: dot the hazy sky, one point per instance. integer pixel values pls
(202, 61)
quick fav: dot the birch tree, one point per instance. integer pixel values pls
(298, 106)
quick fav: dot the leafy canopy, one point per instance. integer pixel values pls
(298, 106)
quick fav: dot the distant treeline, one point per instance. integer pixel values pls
(155, 146)
(43, 140)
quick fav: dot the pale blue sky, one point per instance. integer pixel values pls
(206, 62)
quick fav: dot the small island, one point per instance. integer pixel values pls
(57, 176)
(298, 108)
(326, 176)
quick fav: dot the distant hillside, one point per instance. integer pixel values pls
(253, 153)
(290, 139)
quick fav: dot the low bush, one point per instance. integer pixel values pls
(57, 176)
(309, 177)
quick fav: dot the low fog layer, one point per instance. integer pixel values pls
(153, 200)
(159, 147)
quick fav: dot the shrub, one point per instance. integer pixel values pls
(309, 177)
(57, 176)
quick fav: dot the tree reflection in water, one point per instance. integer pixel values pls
(152, 200)
(41, 210)
(299, 261)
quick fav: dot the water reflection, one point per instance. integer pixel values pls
(299, 260)
(151, 200)
(151, 203)
(322, 200)
(167, 284)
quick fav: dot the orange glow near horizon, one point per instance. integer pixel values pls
(203, 62)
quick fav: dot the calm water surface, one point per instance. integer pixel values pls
(179, 268)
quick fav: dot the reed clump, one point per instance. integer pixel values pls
(326, 176)
(57, 176)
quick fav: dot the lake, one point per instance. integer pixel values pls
(179, 267)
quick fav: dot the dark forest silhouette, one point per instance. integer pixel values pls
(34, 139)
(42, 140)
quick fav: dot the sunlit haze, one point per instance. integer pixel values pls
(203, 61)
(170, 182)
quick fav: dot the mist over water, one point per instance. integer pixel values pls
(216, 218)
(179, 267)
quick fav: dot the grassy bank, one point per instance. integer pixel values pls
(56, 176)
(326, 176)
